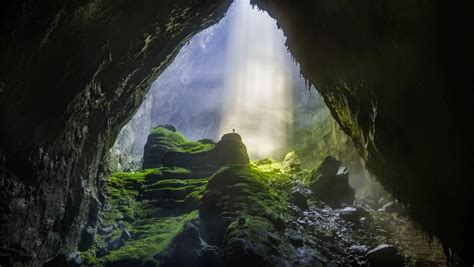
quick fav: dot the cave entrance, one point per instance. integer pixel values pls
(238, 76)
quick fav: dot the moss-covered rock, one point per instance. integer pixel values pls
(330, 183)
(241, 210)
(147, 211)
(165, 140)
(170, 148)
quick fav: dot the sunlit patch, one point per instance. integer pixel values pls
(257, 82)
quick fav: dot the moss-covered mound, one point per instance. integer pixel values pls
(167, 147)
(164, 140)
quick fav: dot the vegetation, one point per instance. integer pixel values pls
(175, 141)
(135, 228)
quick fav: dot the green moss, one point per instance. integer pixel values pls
(175, 141)
(151, 230)
(156, 236)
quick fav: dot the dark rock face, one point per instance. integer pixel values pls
(387, 73)
(331, 185)
(72, 73)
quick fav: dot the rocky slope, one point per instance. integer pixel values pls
(262, 213)
(72, 73)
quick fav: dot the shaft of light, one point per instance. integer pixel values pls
(257, 100)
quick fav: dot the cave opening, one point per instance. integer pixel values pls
(395, 77)
(239, 76)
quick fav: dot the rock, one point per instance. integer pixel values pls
(330, 184)
(353, 214)
(106, 230)
(300, 195)
(358, 249)
(384, 256)
(191, 250)
(115, 244)
(125, 234)
(295, 240)
(299, 199)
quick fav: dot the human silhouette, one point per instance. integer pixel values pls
(233, 130)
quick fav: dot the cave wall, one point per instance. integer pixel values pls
(72, 73)
(397, 76)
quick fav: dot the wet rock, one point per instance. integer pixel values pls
(295, 240)
(384, 256)
(354, 214)
(358, 249)
(330, 183)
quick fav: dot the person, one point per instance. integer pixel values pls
(233, 130)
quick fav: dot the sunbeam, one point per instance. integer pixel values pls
(257, 83)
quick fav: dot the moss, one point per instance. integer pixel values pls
(175, 141)
(132, 195)
(155, 237)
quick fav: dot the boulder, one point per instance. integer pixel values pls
(330, 183)
(384, 256)
(300, 195)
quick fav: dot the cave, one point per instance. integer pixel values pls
(396, 79)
